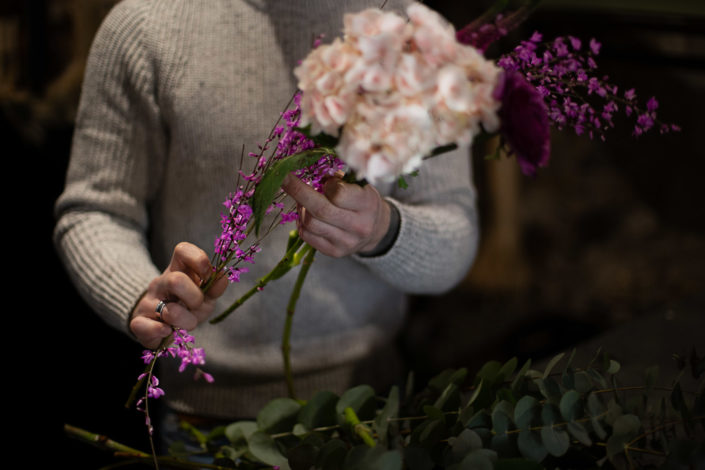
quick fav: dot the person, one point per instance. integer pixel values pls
(172, 92)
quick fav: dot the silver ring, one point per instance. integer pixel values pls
(160, 307)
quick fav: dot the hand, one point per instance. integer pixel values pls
(344, 219)
(180, 286)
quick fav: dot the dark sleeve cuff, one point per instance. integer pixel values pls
(389, 238)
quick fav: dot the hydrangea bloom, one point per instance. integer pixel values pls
(392, 90)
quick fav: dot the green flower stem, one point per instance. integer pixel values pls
(308, 253)
(121, 450)
(282, 267)
(360, 429)
(103, 441)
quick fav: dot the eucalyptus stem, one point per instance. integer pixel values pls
(359, 428)
(282, 267)
(308, 252)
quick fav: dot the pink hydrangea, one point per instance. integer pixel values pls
(392, 90)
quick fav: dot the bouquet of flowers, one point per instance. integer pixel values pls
(373, 105)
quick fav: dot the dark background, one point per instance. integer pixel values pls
(610, 235)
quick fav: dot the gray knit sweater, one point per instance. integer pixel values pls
(173, 90)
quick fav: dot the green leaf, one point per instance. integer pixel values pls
(624, 430)
(270, 185)
(481, 419)
(319, 411)
(570, 405)
(263, 447)
(430, 432)
(555, 440)
(550, 414)
(390, 411)
(433, 413)
(582, 382)
(478, 459)
(530, 445)
(520, 376)
(489, 372)
(331, 455)
(278, 415)
(568, 378)
(475, 394)
(578, 431)
(240, 431)
(302, 456)
(594, 405)
(448, 397)
(549, 388)
(464, 442)
(507, 369)
(614, 411)
(613, 367)
(525, 411)
(505, 444)
(501, 417)
(361, 399)
(372, 458)
(551, 364)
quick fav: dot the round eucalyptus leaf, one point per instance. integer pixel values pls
(531, 446)
(279, 415)
(551, 364)
(361, 399)
(550, 414)
(578, 431)
(525, 411)
(570, 405)
(240, 431)
(594, 405)
(331, 455)
(319, 411)
(465, 442)
(501, 417)
(582, 382)
(555, 440)
(263, 447)
(477, 460)
(390, 411)
(302, 456)
(504, 444)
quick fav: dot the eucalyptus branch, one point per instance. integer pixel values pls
(360, 429)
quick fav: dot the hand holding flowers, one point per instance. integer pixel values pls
(342, 220)
(187, 306)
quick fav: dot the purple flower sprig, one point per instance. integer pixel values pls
(565, 74)
(285, 139)
(182, 348)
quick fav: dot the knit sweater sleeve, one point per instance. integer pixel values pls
(116, 157)
(438, 232)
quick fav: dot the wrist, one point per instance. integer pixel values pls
(389, 236)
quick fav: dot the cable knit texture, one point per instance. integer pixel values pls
(173, 91)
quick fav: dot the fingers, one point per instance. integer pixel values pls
(191, 260)
(180, 287)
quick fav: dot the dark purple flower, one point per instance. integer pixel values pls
(525, 123)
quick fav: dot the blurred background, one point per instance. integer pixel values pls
(606, 246)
